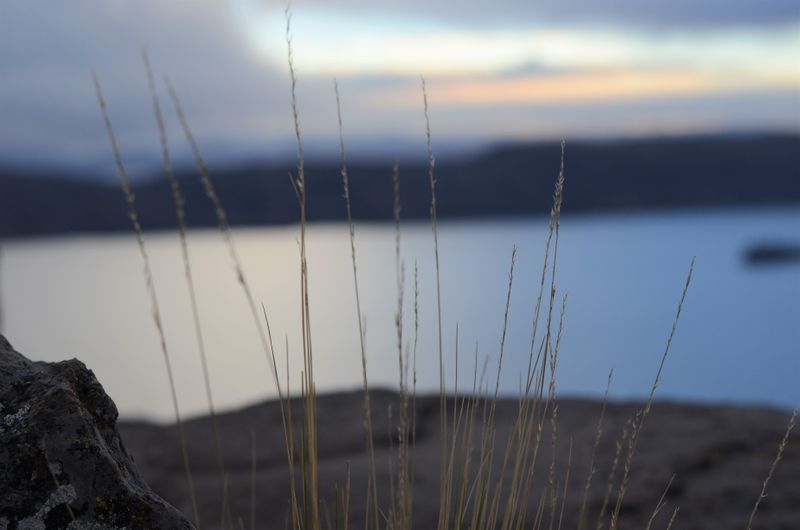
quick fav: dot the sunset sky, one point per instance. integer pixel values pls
(506, 70)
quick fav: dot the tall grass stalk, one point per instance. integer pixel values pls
(443, 509)
(612, 473)
(672, 519)
(288, 436)
(660, 504)
(781, 448)
(482, 481)
(346, 501)
(400, 516)
(592, 470)
(566, 486)
(639, 425)
(180, 221)
(414, 365)
(527, 468)
(522, 446)
(454, 439)
(309, 464)
(463, 494)
(554, 415)
(227, 236)
(222, 217)
(546, 355)
(265, 338)
(372, 487)
(253, 476)
(151, 289)
(555, 215)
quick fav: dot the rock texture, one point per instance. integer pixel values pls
(62, 461)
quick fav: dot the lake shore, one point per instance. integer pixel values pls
(719, 456)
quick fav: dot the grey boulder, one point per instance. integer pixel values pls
(62, 461)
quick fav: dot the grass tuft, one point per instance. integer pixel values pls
(488, 477)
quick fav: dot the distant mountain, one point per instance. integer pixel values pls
(505, 181)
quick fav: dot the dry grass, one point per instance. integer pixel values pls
(372, 486)
(150, 286)
(485, 482)
(781, 448)
(633, 441)
(180, 222)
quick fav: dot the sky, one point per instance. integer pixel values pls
(506, 70)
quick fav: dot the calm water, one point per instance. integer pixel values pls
(738, 340)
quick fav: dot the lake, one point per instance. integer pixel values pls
(738, 339)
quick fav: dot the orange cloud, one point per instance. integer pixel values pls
(588, 87)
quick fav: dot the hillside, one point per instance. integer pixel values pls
(504, 181)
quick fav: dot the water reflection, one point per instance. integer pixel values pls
(739, 337)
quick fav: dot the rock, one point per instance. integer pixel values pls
(62, 461)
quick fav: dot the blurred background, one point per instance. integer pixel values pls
(682, 123)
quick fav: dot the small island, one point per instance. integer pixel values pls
(773, 254)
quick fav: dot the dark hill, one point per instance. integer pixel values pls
(508, 180)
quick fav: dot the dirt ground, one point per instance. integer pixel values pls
(719, 456)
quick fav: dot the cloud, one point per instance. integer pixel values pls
(585, 88)
(47, 103)
(647, 13)
(405, 49)
(490, 71)
(691, 114)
